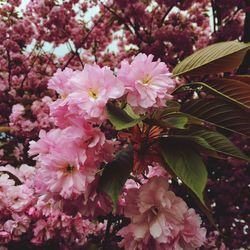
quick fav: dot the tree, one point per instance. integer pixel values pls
(169, 30)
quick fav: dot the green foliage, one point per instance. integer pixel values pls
(185, 163)
(229, 89)
(216, 58)
(120, 118)
(176, 121)
(189, 127)
(115, 175)
(219, 112)
(211, 142)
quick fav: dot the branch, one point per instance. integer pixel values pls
(165, 15)
(30, 68)
(124, 21)
(76, 53)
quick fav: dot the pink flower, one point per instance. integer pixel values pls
(147, 83)
(46, 141)
(41, 232)
(5, 237)
(18, 225)
(65, 115)
(64, 172)
(17, 111)
(160, 218)
(18, 198)
(55, 139)
(94, 86)
(60, 82)
(192, 234)
(5, 183)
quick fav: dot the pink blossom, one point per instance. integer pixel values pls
(41, 232)
(147, 83)
(47, 205)
(94, 86)
(18, 225)
(64, 172)
(17, 111)
(5, 237)
(5, 183)
(158, 216)
(60, 82)
(191, 233)
(18, 198)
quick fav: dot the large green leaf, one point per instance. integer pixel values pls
(120, 118)
(216, 58)
(242, 78)
(220, 113)
(115, 175)
(179, 122)
(232, 90)
(212, 142)
(219, 143)
(185, 163)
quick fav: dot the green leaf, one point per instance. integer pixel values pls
(216, 58)
(173, 104)
(212, 143)
(186, 164)
(115, 175)
(219, 143)
(242, 78)
(232, 90)
(120, 118)
(220, 113)
(179, 122)
(131, 112)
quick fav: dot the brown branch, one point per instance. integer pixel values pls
(125, 22)
(49, 60)
(119, 18)
(165, 15)
(30, 68)
(76, 53)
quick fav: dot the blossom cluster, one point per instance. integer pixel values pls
(31, 35)
(60, 198)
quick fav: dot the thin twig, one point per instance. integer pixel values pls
(165, 15)
(124, 21)
(76, 53)
(30, 68)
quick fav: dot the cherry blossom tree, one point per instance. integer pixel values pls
(85, 134)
